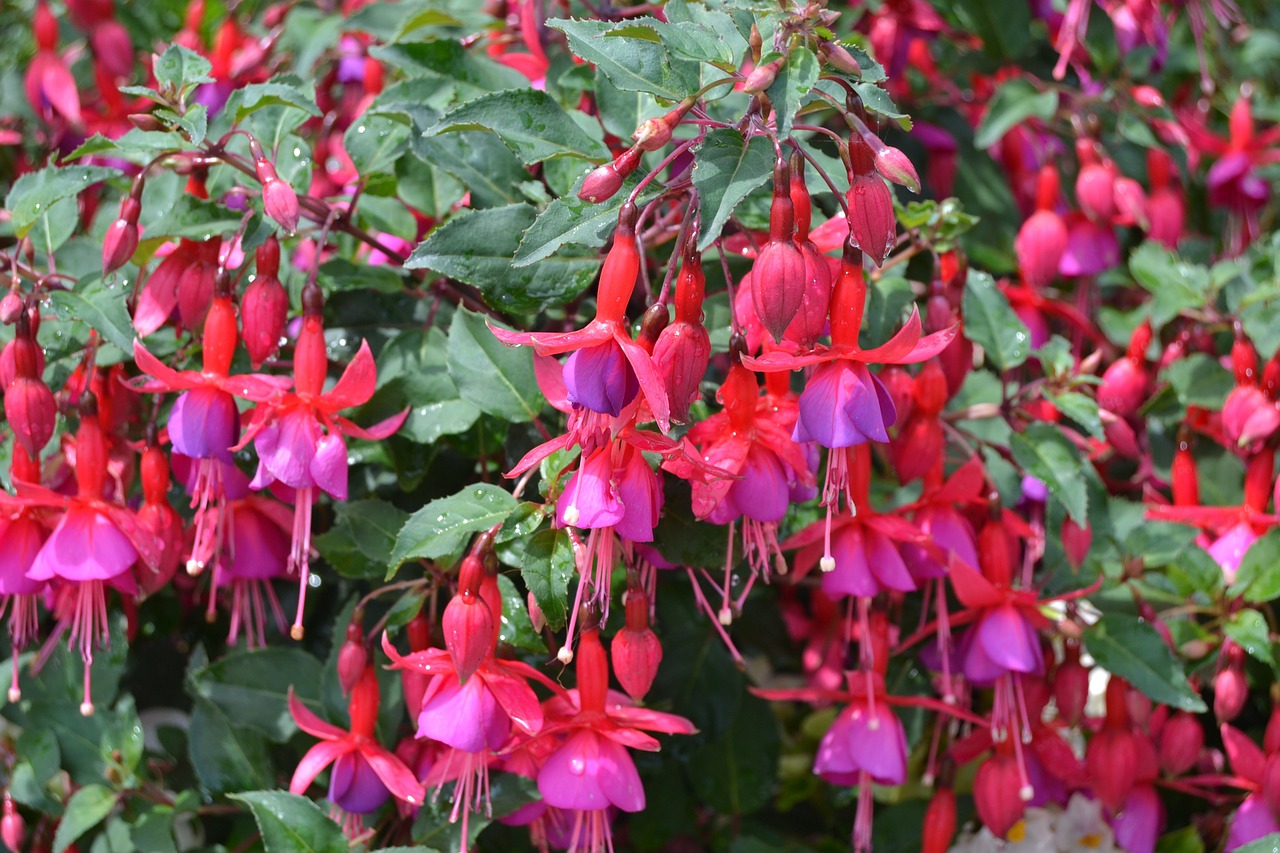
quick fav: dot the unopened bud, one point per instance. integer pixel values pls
(13, 829)
(834, 54)
(281, 203)
(604, 181)
(352, 658)
(893, 165)
(762, 77)
(11, 307)
(146, 122)
(652, 134)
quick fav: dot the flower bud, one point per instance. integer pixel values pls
(1271, 783)
(762, 77)
(146, 122)
(1071, 686)
(281, 203)
(604, 181)
(1076, 540)
(1123, 388)
(470, 626)
(1181, 740)
(536, 617)
(121, 239)
(29, 405)
(895, 166)
(353, 657)
(1230, 687)
(264, 310)
(636, 650)
(1112, 762)
(680, 356)
(1131, 203)
(834, 54)
(13, 829)
(1042, 239)
(1096, 191)
(939, 822)
(11, 307)
(778, 274)
(872, 226)
(997, 794)
(1148, 96)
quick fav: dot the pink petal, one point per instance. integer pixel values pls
(85, 546)
(542, 451)
(329, 466)
(973, 590)
(1247, 759)
(21, 539)
(287, 447)
(852, 574)
(357, 383)
(886, 563)
(570, 778)
(400, 780)
(549, 343)
(651, 385)
(59, 87)
(465, 716)
(173, 380)
(618, 777)
(517, 699)
(650, 720)
(549, 373)
(1009, 640)
(379, 431)
(257, 387)
(310, 723)
(903, 341)
(316, 760)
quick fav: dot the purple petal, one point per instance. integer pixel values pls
(886, 563)
(978, 666)
(640, 490)
(287, 447)
(465, 716)
(870, 407)
(354, 787)
(259, 548)
(822, 407)
(762, 493)
(1138, 824)
(1253, 820)
(600, 378)
(204, 423)
(85, 546)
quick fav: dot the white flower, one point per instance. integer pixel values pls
(1082, 828)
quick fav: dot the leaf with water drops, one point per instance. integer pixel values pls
(443, 527)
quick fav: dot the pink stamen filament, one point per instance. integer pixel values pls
(213, 521)
(300, 554)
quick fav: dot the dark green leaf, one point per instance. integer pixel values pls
(496, 378)
(359, 543)
(251, 688)
(517, 629)
(414, 366)
(633, 64)
(450, 61)
(101, 306)
(1257, 579)
(1130, 648)
(546, 564)
(734, 773)
(572, 220)
(484, 165)
(477, 247)
(792, 87)
(1044, 452)
(85, 810)
(1013, 103)
(530, 122)
(292, 824)
(877, 100)
(443, 526)
(726, 169)
(180, 68)
(887, 307)
(1003, 25)
(1199, 380)
(989, 321)
(524, 521)
(35, 192)
(280, 92)
(342, 274)
(374, 142)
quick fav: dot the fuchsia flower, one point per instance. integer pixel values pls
(22, 535)
(299, 436)
(204, 423)
(590, 773)
(364, 775)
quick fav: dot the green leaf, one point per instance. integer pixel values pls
(292, 824)
(477, 247)
(546, 565)
(450, 61)
(1130, 648)
(101, 306)
(887, 306)
(85, 810)
(1267, 844)
(359, 543)
(1249, 629)
(530, 122)
(180, 68)
(480, 161)
(735, 772)
(195, 122)
(877, 100)
(443, 526)
(517, 629)
(1185, 840)
(1176, 284)
(572, 220)
(374, 142)
(251, 688)
(342, 274)
(726, 169)
(1257, 579)
(1003, 25)
(35, 192)
(225, 757)
(1081, 408)
(415, 372)
(989, 321)
(1044, 452)
(495, 378)
(631, 63)
(281, 92)
(1199, 380)
(1013, 103)
(794, 84)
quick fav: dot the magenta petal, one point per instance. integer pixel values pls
(570, 778)
(1009, 640)
(204, 423)
(259, 547)
(1229, 549)
(822, 407)
(329, 466)
(763, 492)
(978, 666)
(466, 716)
(886, 563)
(618, 777)
(1138, 824)
(287, 447)
(591, 500)
(852, 575)
(640, 490)
(1252, 821)
(85, 546)
(316, 760)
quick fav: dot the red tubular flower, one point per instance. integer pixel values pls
(637, 652)
(811, 318)
(28, 403)
(188, 271)
(683, 348)
(872, 227)
(1042, 240)
(364, 774)
(266, 306)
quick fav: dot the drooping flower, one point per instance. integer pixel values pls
(364, 774)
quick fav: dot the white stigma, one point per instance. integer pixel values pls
(565, 655)
(86, 709)
(1026, 792)
(194, 567)
(571, 515)
(725, 617)
(827, 564)
(14, 694)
